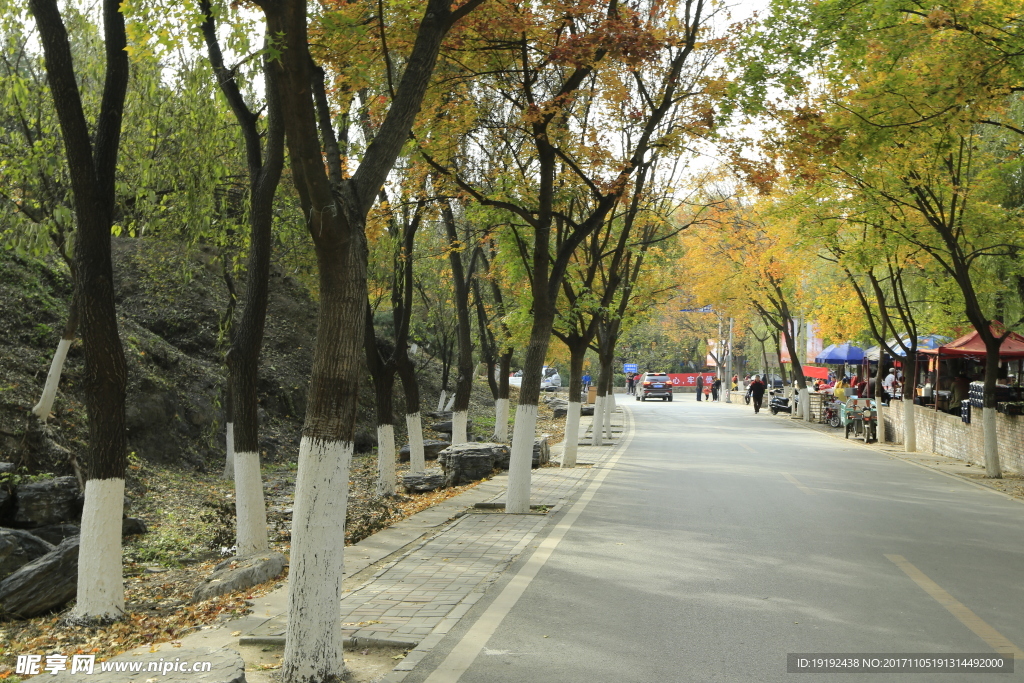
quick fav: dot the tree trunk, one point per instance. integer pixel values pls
(229, 432)
(524, 432)
(993, 468)
(577, 354)
(45, 406)
(501, 404)
(909, 386)
(413, 422)
(464, 332)
(313, 650)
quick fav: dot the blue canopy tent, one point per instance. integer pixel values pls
(840, 354)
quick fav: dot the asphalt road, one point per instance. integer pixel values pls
(721, 541)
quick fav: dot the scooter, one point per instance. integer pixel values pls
(778, 404)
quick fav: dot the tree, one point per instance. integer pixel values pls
(551, 77)
(264, 153)
(92, 163)
(335, 204)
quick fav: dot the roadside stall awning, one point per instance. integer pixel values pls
(971, 344)
(840, 354)
(924, 343)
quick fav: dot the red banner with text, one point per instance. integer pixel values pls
(689, 379)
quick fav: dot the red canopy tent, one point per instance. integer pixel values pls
(971, 344)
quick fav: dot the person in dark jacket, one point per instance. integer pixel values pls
(700, 386)
(716, 386)
(757, 389)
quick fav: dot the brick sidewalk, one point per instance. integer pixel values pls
(414, 600)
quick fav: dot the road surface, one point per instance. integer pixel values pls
(719, 542)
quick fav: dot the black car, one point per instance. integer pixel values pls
(655, 385)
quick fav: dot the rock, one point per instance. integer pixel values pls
(226, 666)
(132, 525)
(446, 426)
(55, 533)
(52, 501)
(587, 410)
(43, 585)
(6, 502)
(6, 467)
(18, 548)
(431, 447)
(427, 480)
(559, 411)
(237, 573)
(541, 451)
(469, 462)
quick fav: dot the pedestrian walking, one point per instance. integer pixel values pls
(629, 383)
(586, 381)
(700, 386)
(716, 387)
(756, 392)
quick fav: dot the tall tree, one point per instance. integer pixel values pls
(554, 71)
(264, 154)
(335, 204)
(92, 164)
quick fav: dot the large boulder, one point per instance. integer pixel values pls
(237, 573)
(51, 501)
(56, 533)
(468, 462)
(18, 548)
(43, 585)
(427, 480)
(431, 447)
(587, 409)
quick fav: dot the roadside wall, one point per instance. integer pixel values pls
(947, 435)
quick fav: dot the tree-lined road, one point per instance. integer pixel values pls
(721, 541)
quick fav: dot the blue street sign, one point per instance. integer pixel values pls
(629, 367)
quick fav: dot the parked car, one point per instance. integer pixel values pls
(550, 379)
(654, 385)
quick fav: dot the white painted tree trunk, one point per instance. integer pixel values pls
(449, 404)
(993, 469)
(249, 506)
(229, 454)
(100, 583)
(460, 433)
(440, 401)
(417, 458)
(386, 460)
(909, 428)
(805, 405)
(517, 499)
(572, 433)
(597, 424)
(501, 420)
(609, 408)
(45, 405)
(313, 646)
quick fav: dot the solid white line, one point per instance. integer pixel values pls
(466, 650)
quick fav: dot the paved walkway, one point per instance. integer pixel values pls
(407, 586)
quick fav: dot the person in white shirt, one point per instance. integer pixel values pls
(887, 386)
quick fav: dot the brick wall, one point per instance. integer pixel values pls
(947, 435)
